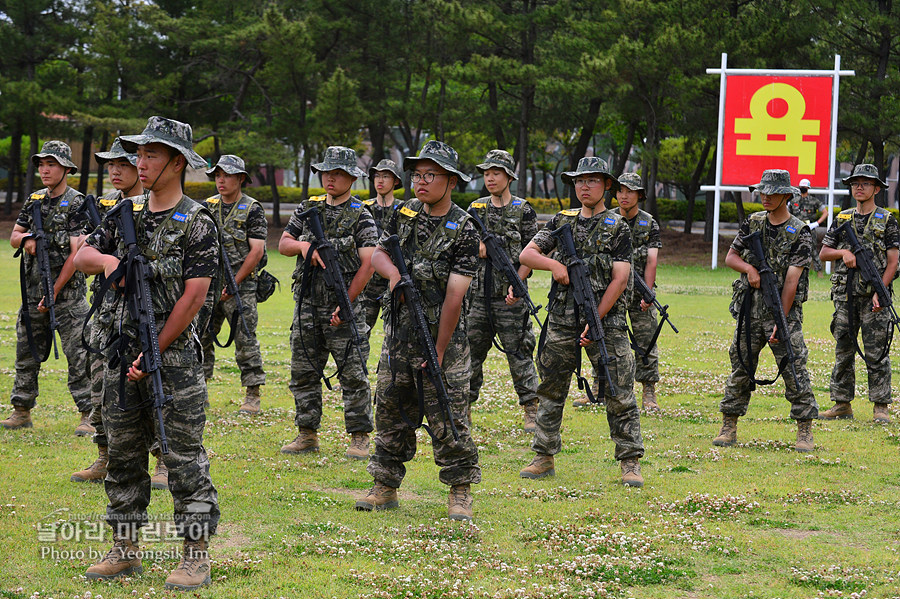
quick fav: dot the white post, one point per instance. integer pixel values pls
(833, 152)
(719, 152)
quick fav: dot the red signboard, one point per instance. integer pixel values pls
(777, 122)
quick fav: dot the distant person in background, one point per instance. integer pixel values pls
(809, 210)
(243, 227)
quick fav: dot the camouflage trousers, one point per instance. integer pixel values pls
(312, 340)
(740, 385)
(96, 371)
(131, 434)
(557, 362)
(876, 332)
(507, 322)
(70, 314)
(370, 299)
(246, 347)
(395, 443)
(643, 326)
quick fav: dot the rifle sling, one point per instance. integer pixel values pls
(854, 330)
(744, 327)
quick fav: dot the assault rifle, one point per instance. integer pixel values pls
(585, 303)
(422, 331)
(231, 288)
(42, 255)
(331, 274)
(649, 297)
(139, 303)
(497, 258)
(772, 299)
(865, 264)
(91, 212)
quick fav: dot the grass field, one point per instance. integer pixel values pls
(756, 520)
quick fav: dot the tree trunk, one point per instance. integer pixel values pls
(581, 146)
(307, 161)
(87, 142)
(739, 204)
(694, 185)
(524, 120)
(217, 150)
(14, 183)
(276, 199)
(622, 159)
(881, 198)
(103, 146)
(494, 104)
(439, 125)
(33, 149)
(710, 207)
(376, 135)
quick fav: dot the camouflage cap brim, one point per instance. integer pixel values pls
(486, 165)
(67, 163)
(115, 151)
(877, 180)
(324, 167)
(228, 168)
(410, 162)
(569, 176)
(131, 143)
(774, 189)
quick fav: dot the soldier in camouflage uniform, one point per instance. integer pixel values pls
(787, 243)
(317, 331)
(243, 227)
(387, 177)
(603, 241)
(178, 236)
(515, 222)
(63, 227)
(809, 210)
(856, 304)
(123, 176)
(440, 245)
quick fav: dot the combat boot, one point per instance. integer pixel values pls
(160, 478)
(648, 399)
(96, 472)
(531, 409)
(193, 571)
(840, 411)
(359, 446)
(84, 427)
(805, 441)
(880, 414)
(21, 418)
(251, 401)
(459, 503)
(306, 442)
(124, 559)
(541, 466)
(380, 497)
(728, 435)
(631, 473)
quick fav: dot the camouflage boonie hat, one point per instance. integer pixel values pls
(865, 171)
(441, 154)
(589, 165)
(391, 167)
(632, 181)
(230, 164)
(775, 181)
(174, 134)
(499, 159)
(339, 158)
(115, 151)
(58, 150)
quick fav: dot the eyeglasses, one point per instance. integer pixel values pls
(592, 182)
(383, 176)
(862, 184)
(425, 178)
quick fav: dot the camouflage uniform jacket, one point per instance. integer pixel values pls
(381, 214)
(61, 220)
(806, 209)
(234, 227)
(879, 234)
(515, 224)
(787, 244)
(428, 259)
(179, 244)
(599, 241)
(348, 227)
(644, 236)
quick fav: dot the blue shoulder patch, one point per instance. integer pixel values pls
(609, 220)
(878, 215)
(643, 223)
(242, 206)
(516, 202)
(790, 229)
(64, 203)
(452, 225)
(179, 217)
(355, 204)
